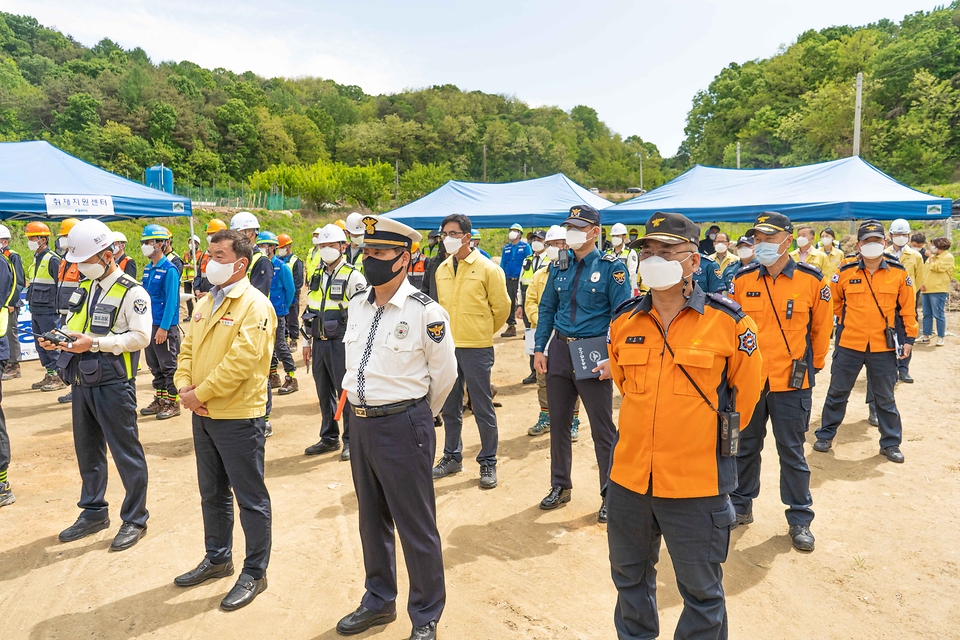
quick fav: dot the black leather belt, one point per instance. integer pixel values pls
(385, 410)
(568, 339)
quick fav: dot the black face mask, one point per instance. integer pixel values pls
(380, 272)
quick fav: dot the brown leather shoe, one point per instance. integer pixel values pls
(153, 408)
(39, 385)
(290, 385)
(54, 384)
(12, 371)
(170, 409)
(275, 381)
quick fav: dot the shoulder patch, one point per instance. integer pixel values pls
(811, 269)
(728, 306)
(748, 342)
(436, 330)
(422, 298)
(835, 278)
(140, 307)
(619, 277)
(825, 293)
(909, 281)
(609, 257)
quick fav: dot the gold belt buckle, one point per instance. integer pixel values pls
(360, 411)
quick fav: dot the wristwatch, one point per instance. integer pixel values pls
(95, 347)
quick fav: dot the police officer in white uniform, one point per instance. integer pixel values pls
(400, 368)
(110, 322)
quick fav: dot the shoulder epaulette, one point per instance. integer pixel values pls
(126, 281)
(752, 266)
(626, 305)
(811, 269)
(728, 306)
(361, 291)
(896, 265)
(421, 297)
(609, 257)
(850, 265)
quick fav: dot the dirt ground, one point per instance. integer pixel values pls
(886, 563)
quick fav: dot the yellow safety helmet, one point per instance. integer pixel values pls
(340, 223)
(66, 225)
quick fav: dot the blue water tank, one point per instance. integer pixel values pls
(160, 177)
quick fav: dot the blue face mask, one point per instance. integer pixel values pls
(767, 253)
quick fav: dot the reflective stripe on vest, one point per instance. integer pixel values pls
(41, 272)
(623, 256)
(5, 312)
(256, 258)
(107, 309)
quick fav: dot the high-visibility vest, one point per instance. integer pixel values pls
(41, 272)
(103, 319)
(312, 263)
(330, 302)
(5, 312)
(257, 255)
(530, 266)
(68, 277)
(189, 271)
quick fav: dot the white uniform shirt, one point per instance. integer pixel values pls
(400, 351)
(131, 331)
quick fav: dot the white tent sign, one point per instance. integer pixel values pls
(76, 205)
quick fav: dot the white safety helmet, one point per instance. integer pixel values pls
(556, 232)
(119, 237)
(899, 226)
(243, 221)
(618, 229)
(332, 233)
(319, 230)
(195, 238)
(4, 232)
(87, 238)
(354, 224)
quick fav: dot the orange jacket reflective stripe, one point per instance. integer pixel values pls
(861, 323)
(668, 435)
(802, 299)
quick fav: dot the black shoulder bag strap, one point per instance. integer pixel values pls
(875, 301)
(682, 369)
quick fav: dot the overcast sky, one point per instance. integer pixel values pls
(637, 63)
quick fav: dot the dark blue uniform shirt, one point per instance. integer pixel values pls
(708, 276)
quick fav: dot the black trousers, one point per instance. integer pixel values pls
(230, 456)
(392, 463)
(513, 285)
(523, 307)
(4, 438)
(162, 359)
(107, 416)
(41, 324)
(13, 337)
(881, 379)
(697, 532)
(563, 389)
(789, 413)
(188, 288)
(281, 350)
(329, 366)
(293, 318)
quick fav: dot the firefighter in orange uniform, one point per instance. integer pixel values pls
(790, 302)
(685, 361)
(870, 296)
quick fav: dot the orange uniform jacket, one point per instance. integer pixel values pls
(802, 298)
(861, 324)
(669, 437)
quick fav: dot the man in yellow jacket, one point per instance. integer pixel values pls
(473, 290)
(222, 378)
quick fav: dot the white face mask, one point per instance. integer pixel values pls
(720, 247)
(357, 240)
(576, 238)
(871, 250)
(218, 273)
(93, 271)
(827, 241)
(933, 251)
(283, 252)
(452, 245)
(147, 249)
(900, 240)
(767, 253)
(329, 255)
(209, 239)
(33, 245)
(537, 246)
(712, 236)
(660, 274)
(553, 253)
(745, 253)
(316, 240)
(802, 241)
(616, 241)
(514, 235)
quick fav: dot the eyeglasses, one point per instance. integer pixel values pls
(666, 255)
(452, 234)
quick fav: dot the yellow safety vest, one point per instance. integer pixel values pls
(256, 258)
(311, 263)
(104, 316)
(41, 272)
(526, 276)
(5, 312)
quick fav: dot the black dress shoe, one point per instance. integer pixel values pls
(243, 593)
(426, 632)
(321, 447)
(893, 453)
(555, 498)
(345, 454)
(530, 379)
(822, 445)
(362, 619)
(873, 420)
(83, 528)
(128, 536)
(905, 377)
(206, 570)
(802, 538)
(602, 514)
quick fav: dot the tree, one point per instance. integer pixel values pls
(81, 111)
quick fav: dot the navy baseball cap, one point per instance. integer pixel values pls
(870, 229)
(669, 228)
(583, 215)
(771, 222)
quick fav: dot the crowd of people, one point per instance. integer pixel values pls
(706, 339)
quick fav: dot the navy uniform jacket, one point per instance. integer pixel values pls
(261, 274)
(579, 301)
(8, 284)
(709, 276)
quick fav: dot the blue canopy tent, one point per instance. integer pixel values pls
(532, 203)
(846, 189)
(40, 182)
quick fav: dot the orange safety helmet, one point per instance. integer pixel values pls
(66, 225)
(216, 225)
(341, 224)
(169, 234)
(284, 240)
(37, 229)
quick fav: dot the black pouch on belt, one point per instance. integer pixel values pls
(331, 328)
(90, 372)
(891, 336)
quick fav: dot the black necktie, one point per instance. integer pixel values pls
(573, 293)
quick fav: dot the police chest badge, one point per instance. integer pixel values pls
(620, 277)
(402, 330)
(140, 307)
(825, 293)
(436, 331)
(748, 342)
(595, 276)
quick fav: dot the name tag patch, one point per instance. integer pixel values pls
(101, 319)
(227, 322)
(856, 281)
(635, 339)
(753, 294)
(336, 289)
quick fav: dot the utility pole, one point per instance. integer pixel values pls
(484, 163)
(856, 115)
(524, 170)
(738, 155)
(640, 157)
(396, 177)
